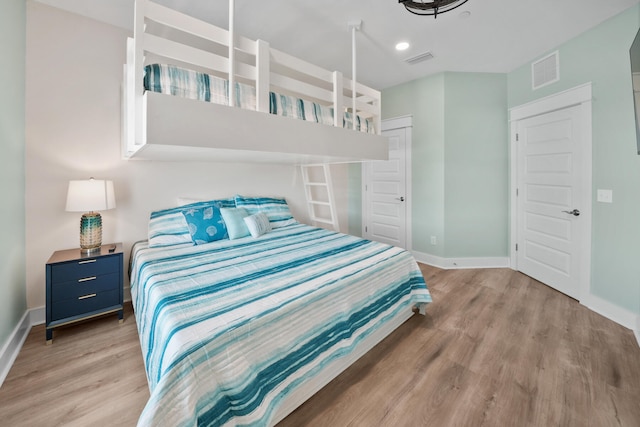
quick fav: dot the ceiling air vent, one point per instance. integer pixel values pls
(419, 58)
(545, 71)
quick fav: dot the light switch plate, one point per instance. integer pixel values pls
(605, 196)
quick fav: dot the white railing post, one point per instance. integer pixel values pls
(354, 76)
(377, 122)
(232, 55)
(263, 71)
(355, 26)
(138, 73)
(337, 98)
(129, 101)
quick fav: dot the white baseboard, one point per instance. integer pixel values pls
(458, 263)
(12, 347)
(611, 311)
(37, 315)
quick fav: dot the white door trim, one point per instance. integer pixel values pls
(405, 122)
(397, 123)
(578, 96)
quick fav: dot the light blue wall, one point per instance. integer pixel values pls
(601, 56)
(424, 100)
(460, 169)
(476, 167)
(12, 142)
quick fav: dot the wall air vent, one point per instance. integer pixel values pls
(419, 58)
(545, 71)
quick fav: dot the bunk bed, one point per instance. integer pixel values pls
(241, 331)
(192, 90)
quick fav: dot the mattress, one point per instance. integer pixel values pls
(236, 332)
(178, 81)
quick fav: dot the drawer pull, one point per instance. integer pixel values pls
(89, 261)
(87, 296)
(87, 279)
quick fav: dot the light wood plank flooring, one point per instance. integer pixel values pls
(495, 349)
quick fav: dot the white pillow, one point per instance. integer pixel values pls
(258, 224)
(275, 208)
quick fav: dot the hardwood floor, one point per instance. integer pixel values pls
(496, 348)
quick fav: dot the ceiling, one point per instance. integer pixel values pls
(497, 36)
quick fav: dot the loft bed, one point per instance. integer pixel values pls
(194, 91)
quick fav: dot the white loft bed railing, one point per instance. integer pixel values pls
(159, 126)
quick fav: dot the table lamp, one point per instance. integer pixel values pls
(90, 196)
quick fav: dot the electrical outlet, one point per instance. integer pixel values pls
(434, 241)
(604, 196)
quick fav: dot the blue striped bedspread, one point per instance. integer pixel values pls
(232, 329)
(178, 81)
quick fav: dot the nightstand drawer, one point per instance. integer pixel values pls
(84, 304)
(83, 268)
(84, 286)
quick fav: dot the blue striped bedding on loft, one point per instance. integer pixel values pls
(178, 81)
(240, 332)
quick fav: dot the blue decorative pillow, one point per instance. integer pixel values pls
(258, 224)
(169, 227)
(276, 209)
(205, 224)
(234, 220)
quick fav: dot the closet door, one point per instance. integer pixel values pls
(550, 206)
(385, 194)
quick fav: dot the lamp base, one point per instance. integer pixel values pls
(89, 251)
(90, 232)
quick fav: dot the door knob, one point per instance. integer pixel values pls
(574, 212)
(400, 198)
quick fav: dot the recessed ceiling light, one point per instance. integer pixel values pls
(402, 46)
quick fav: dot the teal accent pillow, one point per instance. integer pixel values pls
(169, 227)
(234, 221)
(205, 224)
(258, 224)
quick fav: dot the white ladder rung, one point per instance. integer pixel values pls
(322, 220)
(311, 202)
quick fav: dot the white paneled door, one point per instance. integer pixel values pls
(549, 198)
(385, 194)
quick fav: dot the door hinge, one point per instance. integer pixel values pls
(517, 137)
(517, 192)
(366, 229)
(366, 188)
(516, 247)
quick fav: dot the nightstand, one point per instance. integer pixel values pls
(81, 286)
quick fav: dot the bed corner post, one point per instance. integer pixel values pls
(128, 136)
(139, 121)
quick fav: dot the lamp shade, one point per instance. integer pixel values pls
(90, 195)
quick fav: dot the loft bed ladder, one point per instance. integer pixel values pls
(318, 190)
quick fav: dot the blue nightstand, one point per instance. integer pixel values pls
(81, 286)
